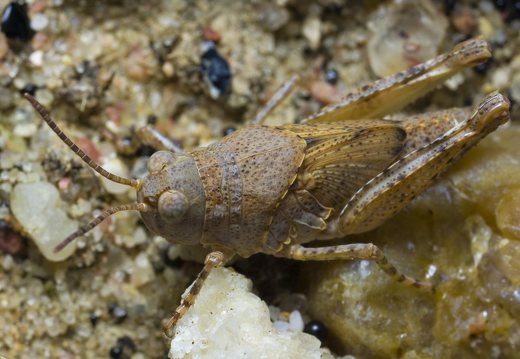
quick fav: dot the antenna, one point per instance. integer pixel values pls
(44, 114)
(141, 207)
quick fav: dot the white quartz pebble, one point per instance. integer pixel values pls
(228, 321)
(41, 212)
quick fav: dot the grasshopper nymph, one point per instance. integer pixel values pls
(345, 170)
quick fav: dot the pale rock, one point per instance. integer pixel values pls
(7, 262)
(117, 167)
(312, 31)
(36, 58)
(142, 270)
(130, 240)
(45, 97)
(4, 47)
(40, 211)
(404, 33)
(39, 22)
(80, 208)
(296, 321)
(25, 130)
(228, 321)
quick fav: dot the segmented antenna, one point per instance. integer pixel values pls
(44, 114)
(141, 207)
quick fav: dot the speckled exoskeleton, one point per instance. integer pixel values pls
(345, 170)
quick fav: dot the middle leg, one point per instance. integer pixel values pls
(146, 135)
(356, 251)
(280, 94)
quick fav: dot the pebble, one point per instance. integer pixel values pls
(228, 131)
(507, 214)
(126, 342)
(117, 167)
(29, 88)
(40, 41)
(296, 321)
(274, 313)
(486, 28)
(39, 22)
(449, 6)
(216, 71)
(88, 146)
(7, 262)
(25, 130)
(316, 328)
(81, 207)
(40, 211)
(168, 69)
(324, 92)
(36, 58)
(211, 35)
(15, 22)
(116, 352)
(226, 305)
(273, 17)
(136, 65)
(40, 5)
(281, 326)
(463, 19)
(45, 97)
(143, 271)
(6, 98)
(404, 33)
(117, 312)
(312, 31)
(500, 78)
(482, 68)
(4, 47)
(93, 317)
(331, 76)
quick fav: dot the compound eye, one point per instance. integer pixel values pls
(160, 160)
(172, 205)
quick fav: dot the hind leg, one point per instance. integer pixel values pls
(389, 95)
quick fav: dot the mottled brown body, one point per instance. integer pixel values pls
(263, 189)
(245, 177)
(345, 170)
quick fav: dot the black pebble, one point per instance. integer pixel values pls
(158, 266)
(145, 151)
(151, 119)
(331, 76)
(449, 6)
(93, 318)
(501, 4)
(16, 24)
(216, 71)
(514, 12)
(116, 352)
(229, 130)
(30, 89)
(117, 312)
(482, 68)
(126, 342)
(316, 328)
(510, 9)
